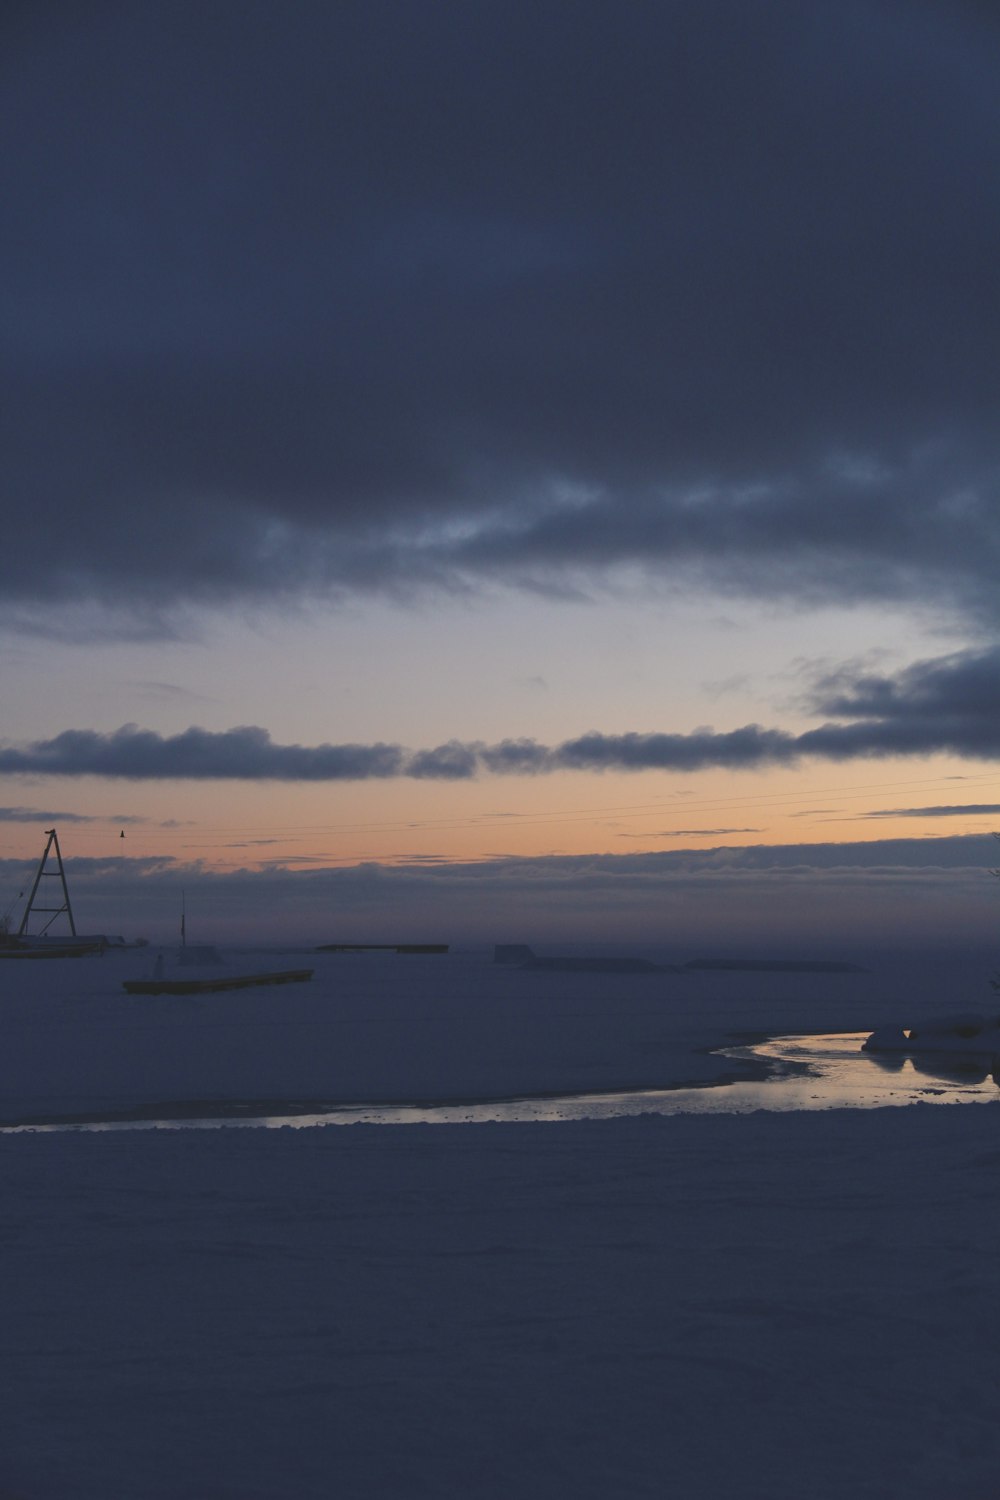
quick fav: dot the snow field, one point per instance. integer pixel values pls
(769, 1306)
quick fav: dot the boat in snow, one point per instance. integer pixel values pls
(201, 971)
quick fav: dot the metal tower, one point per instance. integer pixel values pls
(43, 874)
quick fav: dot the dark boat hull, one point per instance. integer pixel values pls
(211, 986)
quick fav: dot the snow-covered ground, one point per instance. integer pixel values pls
(380, 1026)
(769, 1305)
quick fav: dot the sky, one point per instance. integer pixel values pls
(473, 471)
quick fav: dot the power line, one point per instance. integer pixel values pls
(195, 834)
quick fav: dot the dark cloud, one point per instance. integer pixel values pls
(450, 762)
(378, 296)
(749, 746)
(963, 810)
(33, 815)
(947, 705)
(36, 815)
(950, 705)
(692, 833)
(247, 753)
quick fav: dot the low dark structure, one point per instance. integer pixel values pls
(382, 948)
(777, 965)
(519, 955)
(597, 965)
(512, 953)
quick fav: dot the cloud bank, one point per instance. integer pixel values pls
(822, 899)
(439, 297)
(948, 705)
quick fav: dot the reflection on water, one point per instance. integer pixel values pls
(831, 1072)
(802, 1073)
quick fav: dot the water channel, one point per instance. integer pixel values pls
(783, 1073)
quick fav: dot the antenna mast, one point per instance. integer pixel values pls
(57, 874)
